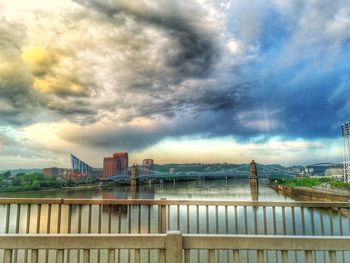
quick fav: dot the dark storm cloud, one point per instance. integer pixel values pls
(197, 50)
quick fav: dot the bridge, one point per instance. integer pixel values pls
(173, 231)
(241, 171)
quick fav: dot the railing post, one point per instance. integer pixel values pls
(173, 247)
(7, 256)
(162, 218)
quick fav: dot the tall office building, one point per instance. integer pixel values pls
(117, 165)
(147, 166)
(345, 130)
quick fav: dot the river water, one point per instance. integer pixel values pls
(233, 189)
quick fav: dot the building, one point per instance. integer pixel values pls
(52, 171)
(117, 165)
(80, 167)
(345, 130)
(335, 173)
(147, 166)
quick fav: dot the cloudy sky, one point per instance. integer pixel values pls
(177, 81)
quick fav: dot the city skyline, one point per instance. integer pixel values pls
(175, 81)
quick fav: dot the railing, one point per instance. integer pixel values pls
(47, 230)
(66, 216)
(173, 247)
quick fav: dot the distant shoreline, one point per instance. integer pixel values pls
(311, 193)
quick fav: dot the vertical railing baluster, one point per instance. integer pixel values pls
(149, 227)
(303, 220)
(332, 256)
(274, 226)
(119, 219)
(168, 207)
(60, 256)
(245, 220)
(111, 255)
(162, 256)
(322, 233)
(69, 228)
(48, 230)
(34, 256)
(188, 219)
(80, 208)
(49, 211)
(255, 220)
(284, 256)
(110, 219)
(86, 256)
(137, 256)
(265, 220)
(226, 220)
(69, 215)
(29, 208)
(211, 256)
(7, 258)
(216, 219)
(139, 219)
(312, 221)
(89, 218)
(207, 218)
(18, 218)
(38, 219)
(59, 212)
(149, 219)
(236, 220)
(7, 223)
(330, 214)
(129, 228)
(308, 257)
(187, 255)
(178, 217)
(274, 220)
(284, 220)
(197, 219)
(322, 223)
(340, 222)
(197, 229)
(99, 230)
(236, 256)
(293, 221)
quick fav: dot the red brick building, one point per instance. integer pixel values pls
(116, 165)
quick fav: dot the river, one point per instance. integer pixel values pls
(233, 189)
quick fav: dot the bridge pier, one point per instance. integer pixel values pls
(133, 179)
(253, 180)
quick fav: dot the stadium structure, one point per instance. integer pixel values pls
(80, 167)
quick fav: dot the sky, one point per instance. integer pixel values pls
(177, 81)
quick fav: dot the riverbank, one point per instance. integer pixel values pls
(302, 192)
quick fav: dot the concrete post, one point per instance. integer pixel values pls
(173, 247)
(162, 217)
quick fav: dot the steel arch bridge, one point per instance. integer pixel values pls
(242, 171)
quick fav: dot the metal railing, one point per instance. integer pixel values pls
(224, 230)
(64, 216)
(173, 247)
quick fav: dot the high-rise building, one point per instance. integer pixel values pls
(345, 130)
(117, 165)
(147, 166)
